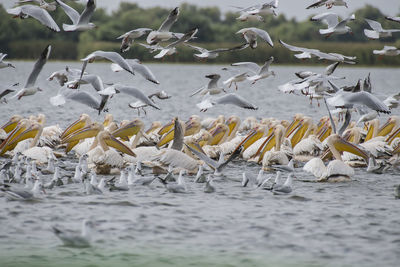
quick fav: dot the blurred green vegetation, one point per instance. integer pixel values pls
(25, 39)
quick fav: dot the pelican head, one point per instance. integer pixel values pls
(84, 120)
(233, 123)
(390, 126)
(11, 123)
(87, 132)
(337, 144)
(129, 129)
(193, 125)
(108, 119)
(219, 134)
(154, 126)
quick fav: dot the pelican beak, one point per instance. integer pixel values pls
(342, 145)
(393, 136)
(325, 133)
(18, 129)
(75, 126)
(20, 135)
(128, 130)
(217, 134)
(151, 129)
(166, 138)
(291, 126)
(115, 143)
(298, 135)
(191, 127)
(268, 144)
(250, 139)
(9, 125)
(386, 128)
(369, 133)
(231, 125)
(166, 128)
(83, 133)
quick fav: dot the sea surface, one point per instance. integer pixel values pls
(318, 224)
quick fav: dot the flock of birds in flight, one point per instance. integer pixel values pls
(196, 146)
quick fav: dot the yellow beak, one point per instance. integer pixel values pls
(166, 128)
(115, 143)
(386, 128)
(31, 132)
(75, 126)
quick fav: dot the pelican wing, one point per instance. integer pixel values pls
(36, 12)
(71, 13)
(87, 12)
(253, 67)
(376, 26)
(330, 19)
(112, 56)
(236, 100)
(38, 67)
(136, 93)
(172, 18)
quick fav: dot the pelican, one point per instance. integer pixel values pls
(337, 170)
(276, 157)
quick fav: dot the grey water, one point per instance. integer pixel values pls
(350, 224)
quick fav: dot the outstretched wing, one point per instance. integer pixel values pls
(172, 18)
(236, 100)
(38, 67)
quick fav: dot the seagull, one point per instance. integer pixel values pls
(257, 10)
(348, 100)
(218, 166)
(20, 194)
(129, 37)
(204, 53)
(377, 30)
(43, 4)
(212, 86)
(286, 188)
(171, 48)
(259, 72)
(137, 66)
(5, 64)
(62, 76)
(209, 186)
(111, 56)
(387, 51)
(231, 98)
(250, 35)
(163, 33)
(334, 26)
(4, 93)
(81, 240)
(35, 12)
(80, 22)
(30, 88)
(395, 19)
(132, 91)
(179, 187)
(140, 105)
(236, 78)
(392, 101)
(328, 3)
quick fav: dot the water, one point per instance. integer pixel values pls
(356, 223)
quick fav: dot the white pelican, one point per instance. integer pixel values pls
(337, 170)
(277, 156)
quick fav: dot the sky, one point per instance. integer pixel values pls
(291, 8)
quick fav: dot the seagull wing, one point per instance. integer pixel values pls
(200, 49)
(94, 80)
(143, 70)
(236, 100)
(38, 67)
(38, 13)
(137, 94)
(367, 99)
(317, 4)
(331, 68)
(85, 98)
(87, 12)
(266, 65)
(263, 35)
(330, 19)
(376, 26)
(112, 56)
(71, 13)
(253, 67)
(172, 18)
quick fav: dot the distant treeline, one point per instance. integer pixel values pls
(25, 39)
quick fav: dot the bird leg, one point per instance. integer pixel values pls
(236, 87)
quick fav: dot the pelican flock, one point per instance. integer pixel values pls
(356, 133)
